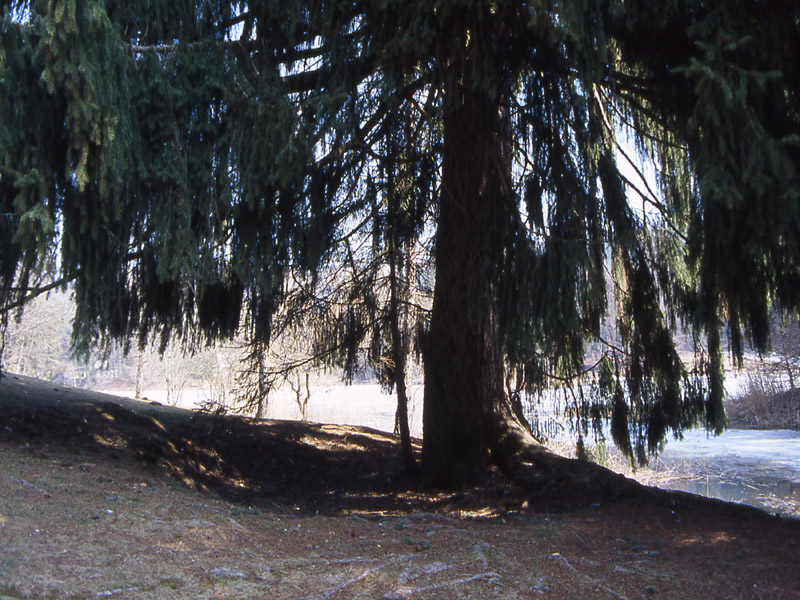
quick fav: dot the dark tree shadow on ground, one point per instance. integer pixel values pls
(295, 466)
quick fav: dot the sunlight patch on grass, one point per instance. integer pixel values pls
(158, 424)
(487, 512)
(109, 441)
(323, 444)
(710, 539)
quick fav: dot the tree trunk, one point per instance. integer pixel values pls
(466, 408)
(399, 359)
(139, 374)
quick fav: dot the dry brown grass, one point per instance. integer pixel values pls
(764, 405)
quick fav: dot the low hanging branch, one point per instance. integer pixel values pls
(63, 281)
(34, 293)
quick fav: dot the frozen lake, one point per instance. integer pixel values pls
(778, 448)
(759, 468)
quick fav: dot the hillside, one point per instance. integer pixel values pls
(107, 497)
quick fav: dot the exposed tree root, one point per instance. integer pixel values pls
(553, 478)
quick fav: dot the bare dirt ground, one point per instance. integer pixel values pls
(102, 497)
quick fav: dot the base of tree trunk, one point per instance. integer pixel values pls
(543, 473)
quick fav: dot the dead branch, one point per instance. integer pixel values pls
(45, 493)
(594, 581)
(406, 592)
(333, 591)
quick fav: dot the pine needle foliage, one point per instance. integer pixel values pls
(194, 163)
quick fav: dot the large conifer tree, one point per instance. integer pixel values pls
(185, 158)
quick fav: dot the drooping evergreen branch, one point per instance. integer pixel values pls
(660, 141)
(375, 125)
(650, 196)
(281, 56)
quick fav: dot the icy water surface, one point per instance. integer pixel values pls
(759, 468)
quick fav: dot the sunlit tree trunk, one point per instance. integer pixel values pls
(399, 359)
(139, 374)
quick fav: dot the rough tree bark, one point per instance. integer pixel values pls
(465, 399)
